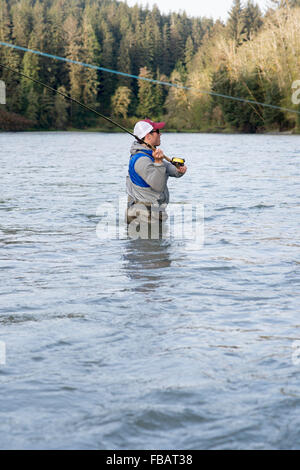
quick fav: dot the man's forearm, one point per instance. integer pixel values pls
(172, 171)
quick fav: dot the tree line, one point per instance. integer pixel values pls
(252, 56)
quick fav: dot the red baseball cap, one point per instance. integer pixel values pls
(155, 125)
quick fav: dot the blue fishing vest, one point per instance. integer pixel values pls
(135, 178)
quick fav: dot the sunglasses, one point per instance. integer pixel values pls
(157, 131)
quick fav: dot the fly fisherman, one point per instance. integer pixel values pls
(148, 174)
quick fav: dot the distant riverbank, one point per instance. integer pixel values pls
(12, 122)
(115, 130)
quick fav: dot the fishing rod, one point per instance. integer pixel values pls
(176, 161)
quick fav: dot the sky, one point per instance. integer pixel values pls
(210, 8)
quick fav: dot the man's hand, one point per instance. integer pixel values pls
(181, 169)
(158, 155)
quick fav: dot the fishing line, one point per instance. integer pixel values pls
(71, 99)
(151, 80)
(176, 161)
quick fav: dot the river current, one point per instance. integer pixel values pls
(115, 343)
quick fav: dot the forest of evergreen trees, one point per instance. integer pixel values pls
(253, 56)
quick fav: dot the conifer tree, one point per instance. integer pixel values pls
(149, 43)
(91, 54)
(253, 18)
(160, 93)
(189, 52)
(74, 52)
(124, 59)
(167, 61)
(107, 60)
(30, 91)
(5, 29)
(236, 24)
(121, 101)
(10, 58)
(177, 37)
(60, 110)
(273, 118)
(76, 74)
(56, 40)
(147, 106)
(22, 21)
(32, 104)
(46, 105)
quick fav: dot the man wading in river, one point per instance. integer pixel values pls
(148, 174)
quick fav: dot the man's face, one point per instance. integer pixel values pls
(153, 138)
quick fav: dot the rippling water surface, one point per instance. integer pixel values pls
(149, 344)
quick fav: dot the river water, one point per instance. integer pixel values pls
(149, 344)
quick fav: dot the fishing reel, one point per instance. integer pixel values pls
(178, 161)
